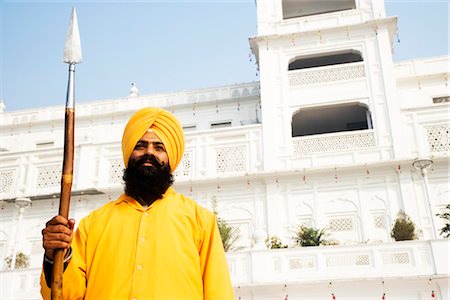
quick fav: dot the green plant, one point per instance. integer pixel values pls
(308, 236)
(274, 242)
(445, 231)
(22, 261)
(404, 229)
(228, 234)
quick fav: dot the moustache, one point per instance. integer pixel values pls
(148, 158)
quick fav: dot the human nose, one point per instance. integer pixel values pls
(150, 150)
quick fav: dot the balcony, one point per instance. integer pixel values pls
(348, 140)
(365, 261)
(326, 74)
(297, 266)
(349, 82)
(208, 154)
(348, 147)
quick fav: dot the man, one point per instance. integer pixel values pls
(150, 243)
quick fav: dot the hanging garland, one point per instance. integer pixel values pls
(284, 289)
(335, 175)
(330, 286)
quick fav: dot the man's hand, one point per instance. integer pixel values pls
(57, 234)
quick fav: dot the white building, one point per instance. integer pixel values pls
(326, 139)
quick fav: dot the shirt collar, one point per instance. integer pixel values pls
(135, 204)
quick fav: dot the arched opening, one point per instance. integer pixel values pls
(303, 8)
(325, 59)
(328, 119)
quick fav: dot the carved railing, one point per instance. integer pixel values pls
(326, 74)
(333, 142)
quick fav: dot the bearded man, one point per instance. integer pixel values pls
(150, 243)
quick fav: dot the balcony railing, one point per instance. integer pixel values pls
(326, 74)
(333, 142)
(211, 153)
(411, 258)
(297, 265)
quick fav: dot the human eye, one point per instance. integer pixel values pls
(139, 145)
(159, 147)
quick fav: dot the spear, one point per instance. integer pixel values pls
(72, 56)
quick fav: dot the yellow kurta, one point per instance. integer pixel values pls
(170, 250)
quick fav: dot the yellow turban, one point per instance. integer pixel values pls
(164, 125)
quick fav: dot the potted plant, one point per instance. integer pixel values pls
(308, 236)
(404, 228)
(274, 242)
(22, 261)
(445, 231)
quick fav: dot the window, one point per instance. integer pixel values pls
(328, 119)
(189, 128)
(444, 99)
(302, 8)
(325, 59)
(44, 144)
(341, 224)
(220, 125)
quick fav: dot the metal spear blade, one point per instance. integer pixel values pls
(72, 48)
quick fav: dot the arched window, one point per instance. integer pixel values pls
(328, 119)
(302, 8)
(325, 59)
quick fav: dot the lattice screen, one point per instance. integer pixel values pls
(304, 146)
(396, 258)
(438, 137)
(327, 75)
(231, 159)
(6, 181)
(378, 221)
(185, 167)
(49, 176)
(301, 263)
(348, 260)
(234, 232)
(116, 167)
(341, 224)
(36, 248)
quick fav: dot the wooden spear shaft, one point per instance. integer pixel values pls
(64, 204)
(72, 56)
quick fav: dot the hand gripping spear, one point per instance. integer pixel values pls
(72, 56)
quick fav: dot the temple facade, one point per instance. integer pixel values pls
(334, 137)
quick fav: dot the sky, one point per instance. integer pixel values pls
(162, 46)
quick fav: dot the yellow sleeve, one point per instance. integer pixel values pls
(216, 278)
(74, 277)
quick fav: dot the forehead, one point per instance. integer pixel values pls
(150, 136)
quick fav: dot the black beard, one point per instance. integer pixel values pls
(147, 183)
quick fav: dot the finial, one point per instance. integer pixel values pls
(72, 48)
(134, 92)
